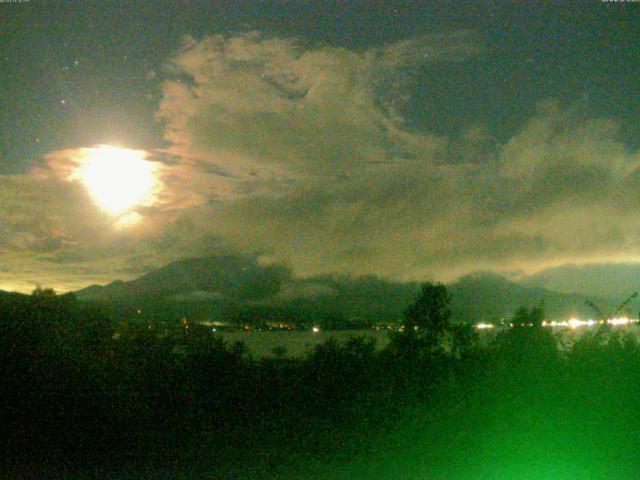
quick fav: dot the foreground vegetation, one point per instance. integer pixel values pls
(79, 401)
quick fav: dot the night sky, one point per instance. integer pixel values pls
(409, 140)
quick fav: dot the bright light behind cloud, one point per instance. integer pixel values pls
(118, 179)
(127, 220)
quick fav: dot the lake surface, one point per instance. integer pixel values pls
(297, 343)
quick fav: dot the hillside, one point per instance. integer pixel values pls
(488, 297)
(239, 288)
(611, 280)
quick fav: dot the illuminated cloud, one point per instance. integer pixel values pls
(298, 153)
(301, 154)
(52, 232)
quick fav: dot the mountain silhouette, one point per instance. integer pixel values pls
(227, 275)
(489, 297)
(225, 286)
(611, 280)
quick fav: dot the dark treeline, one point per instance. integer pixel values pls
(81, 397)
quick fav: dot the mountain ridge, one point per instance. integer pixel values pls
(220, 286)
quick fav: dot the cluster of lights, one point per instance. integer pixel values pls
(576, 323)
(279, 326)
(572, 323)
(484, 326)
(389, 326)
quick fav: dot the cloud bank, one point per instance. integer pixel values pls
(311, 163)
(301, 154)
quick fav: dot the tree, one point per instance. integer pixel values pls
(528, 318)
(43, 293)
(426, 320)
(430, 312)
(527, 341)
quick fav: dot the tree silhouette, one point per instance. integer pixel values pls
(426, 323)
(528, 318)
(430, 312)
(527, 342)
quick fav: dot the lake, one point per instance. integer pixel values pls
(297, 343)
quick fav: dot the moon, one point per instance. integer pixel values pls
(118, 179)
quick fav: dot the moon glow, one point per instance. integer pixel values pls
(118, 179)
